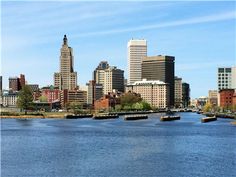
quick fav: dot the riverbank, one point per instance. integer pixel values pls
(33, 115)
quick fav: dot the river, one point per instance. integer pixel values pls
(107, 148)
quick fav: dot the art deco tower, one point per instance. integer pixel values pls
(66, 78)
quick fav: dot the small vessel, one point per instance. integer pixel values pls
(135, 117)
(169, 118)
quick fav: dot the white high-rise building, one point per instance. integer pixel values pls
(136, 50)
(226, 78)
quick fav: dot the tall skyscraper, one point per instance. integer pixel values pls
(186, 94)
(136, 50)
(160, 68)
(66, 78)
(226, 78)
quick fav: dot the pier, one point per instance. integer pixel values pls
(169, 118)
(135, 117)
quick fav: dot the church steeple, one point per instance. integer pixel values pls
(65, 40)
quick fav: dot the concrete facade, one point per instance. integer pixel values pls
(226, 78)
(155, 92)
(178, 92)
(136, 50)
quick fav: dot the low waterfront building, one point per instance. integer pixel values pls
(9, 99)
(51, 93)
(154, 92)
(213, 97)
(95, 92)
(226, 98)
(105, 103)
(76, 96)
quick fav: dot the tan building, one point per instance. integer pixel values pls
(155, 92)
(136, 50)
(213, 97)
(110, 77)
(113, 80)
(69, 96)
(66, 78)
(178, 92)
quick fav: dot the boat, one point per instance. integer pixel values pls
(169, 118)
(135, 117)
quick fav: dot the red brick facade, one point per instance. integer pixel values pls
(104, 103)
(226, 97)
(234, 98)
(51, 93)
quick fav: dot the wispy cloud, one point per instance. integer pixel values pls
(196, 20)
(202, 65)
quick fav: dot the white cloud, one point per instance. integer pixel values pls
(196, 20)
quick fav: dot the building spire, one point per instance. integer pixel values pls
(65, 40)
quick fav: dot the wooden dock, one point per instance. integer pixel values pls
(135, 117)
(169, 118)
(208, 119)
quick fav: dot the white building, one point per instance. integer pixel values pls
(154, 92)
(9, 99)
(136, 50)
(227, 78)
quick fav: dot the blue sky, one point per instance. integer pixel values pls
(201, 36)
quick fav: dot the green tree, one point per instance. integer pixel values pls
(43, 99)
(128, 99)
(137, 106)
(146, 105)
(207, 107)
(25, 98)
(75, 107)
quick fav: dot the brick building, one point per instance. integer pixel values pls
(226, 97)
(51, 93)
(106, 102)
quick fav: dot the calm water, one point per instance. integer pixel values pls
(97, 148)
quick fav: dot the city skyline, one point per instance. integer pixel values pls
(204, 33)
